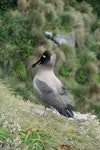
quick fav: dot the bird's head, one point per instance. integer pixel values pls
(48, 58)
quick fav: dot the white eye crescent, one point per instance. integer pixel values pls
(44, 56)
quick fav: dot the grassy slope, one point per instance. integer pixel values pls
(78, 135)
(22, 36)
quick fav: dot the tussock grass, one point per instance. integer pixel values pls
(84, 8)
(68, 51)
(91, 69)
(50, 12)
(22, 34)
(60, 59)
(23, 5)
(57, 4)
(17, 115)
(36, 20)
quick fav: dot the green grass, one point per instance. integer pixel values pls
(22, 128)
(3, 134)
(35, 139)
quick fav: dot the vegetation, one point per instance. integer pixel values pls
(23, 129)
(22, 40)
(95, 5)
(5, 5)
(30, 139)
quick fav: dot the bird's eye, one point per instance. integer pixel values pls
(44, 56)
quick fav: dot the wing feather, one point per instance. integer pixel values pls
(59, 100)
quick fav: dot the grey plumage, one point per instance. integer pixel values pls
(49, 88)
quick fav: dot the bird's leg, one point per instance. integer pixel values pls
(44, 111)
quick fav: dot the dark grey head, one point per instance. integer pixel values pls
(48, 59)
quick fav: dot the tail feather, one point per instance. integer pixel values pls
(67, 112)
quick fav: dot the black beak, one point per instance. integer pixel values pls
(37, 63)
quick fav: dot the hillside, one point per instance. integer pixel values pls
(23, 38)
(19, 124)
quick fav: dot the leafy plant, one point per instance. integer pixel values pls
(66, 22)
(65, 71)
(3, 134)
(82, 76)
(35, 139)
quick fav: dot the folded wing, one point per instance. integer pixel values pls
(57, 100)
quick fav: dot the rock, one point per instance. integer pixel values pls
(77, 115)
(38, 111)
(68, 39)
(84, 117)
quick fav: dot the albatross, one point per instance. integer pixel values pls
(50, 90)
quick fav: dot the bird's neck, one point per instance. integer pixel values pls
(45, 69)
